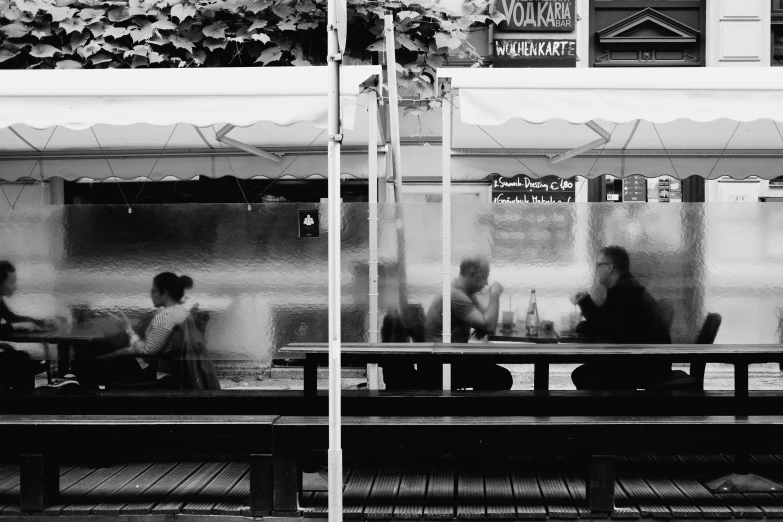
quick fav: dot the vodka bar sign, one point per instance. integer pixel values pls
(537, 15)
(521, 52)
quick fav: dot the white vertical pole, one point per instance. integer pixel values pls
(446, 159)
(335, 459)
(372, 159)
(394, 115)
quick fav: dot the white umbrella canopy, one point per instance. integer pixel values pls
(164, 123)
(683, 122)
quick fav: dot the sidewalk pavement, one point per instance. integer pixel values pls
(717, 377)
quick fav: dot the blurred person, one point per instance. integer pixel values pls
(143, 360)
(16, 367)
(467, 312)
(629, 315)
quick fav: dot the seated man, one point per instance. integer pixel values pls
(467, 313)
(630, 315)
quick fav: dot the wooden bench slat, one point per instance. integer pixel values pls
(527, 492)
(159, 488)
(240, 492)
(317, 504)
(578, 489)
(440, 494)
(8, 469)
(356, 492)
(623, 508)
(639, 491)
(106, 489)
(669, 494)
(191, 486)
(217, 489)
(135, 487)
(383, 496)
(75, 493)
(470, 494)
(411, 494)
(559, 503)
(500, 494)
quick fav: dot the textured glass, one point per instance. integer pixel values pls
(261, 285)
(701, 258)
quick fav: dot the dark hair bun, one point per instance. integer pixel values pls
(186, 282)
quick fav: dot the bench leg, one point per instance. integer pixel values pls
(261, 485)
(39, 482)
(600, 489)
(285, 472)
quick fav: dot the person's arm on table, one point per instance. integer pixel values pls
(481, 319)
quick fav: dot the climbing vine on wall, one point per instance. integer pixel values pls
(70, 34)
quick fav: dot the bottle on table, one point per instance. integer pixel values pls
(531, 321)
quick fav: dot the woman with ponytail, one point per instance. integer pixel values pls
(141, 360)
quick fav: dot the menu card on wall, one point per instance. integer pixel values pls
(524, 189)
(635, 188)
(664, 190)
(527, 52)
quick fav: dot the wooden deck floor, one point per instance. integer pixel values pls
(654, 487)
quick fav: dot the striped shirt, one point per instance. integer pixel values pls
(158, 332)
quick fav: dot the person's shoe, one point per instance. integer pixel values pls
(63, 383)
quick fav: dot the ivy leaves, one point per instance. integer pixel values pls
(69, 34)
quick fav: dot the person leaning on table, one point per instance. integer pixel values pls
(629, 315)
(16, 367)
(466, 313)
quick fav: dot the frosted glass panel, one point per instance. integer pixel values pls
(260, 285)
(714, 257)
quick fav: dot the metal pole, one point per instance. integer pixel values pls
(335, 459)
(372, 159)
(446, 160)
(394, 115)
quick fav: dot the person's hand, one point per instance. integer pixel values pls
(578, 296)
(495, 289)
(123, 322)
(26, 327)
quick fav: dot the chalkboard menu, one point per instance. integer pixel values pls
(635, 188)
(523, 52)
(537, 15)
(524, 189)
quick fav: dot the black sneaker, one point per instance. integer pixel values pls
(62, 383)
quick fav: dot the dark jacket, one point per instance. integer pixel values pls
(630, 315)
(186, 358)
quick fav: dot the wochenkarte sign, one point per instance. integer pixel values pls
(525, 52)
(537, 15)
(524, 189)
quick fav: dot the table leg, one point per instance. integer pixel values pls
(741, 380)
(63, 358)
(310, 378)
(372, 376)
(541, 377)
(447, 377)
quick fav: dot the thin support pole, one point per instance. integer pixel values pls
(335, 457)
(394, 115)
(372, 158)
(446, 202)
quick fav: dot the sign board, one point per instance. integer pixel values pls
(635, 188)
(309, 224)
(526, 52)
(524, 189)
(537, 16)
(664, 191)
(613, 197)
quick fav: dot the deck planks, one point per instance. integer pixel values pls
(647, 487)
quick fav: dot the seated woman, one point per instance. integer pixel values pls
(16, 367)
(143, 360)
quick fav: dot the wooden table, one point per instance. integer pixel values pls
(541, 355)
(64, 338)
(519, 335)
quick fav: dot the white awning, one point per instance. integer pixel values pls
(161, 123)
(241, 96)
(659, 95)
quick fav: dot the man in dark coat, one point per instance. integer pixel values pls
(630, 315)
